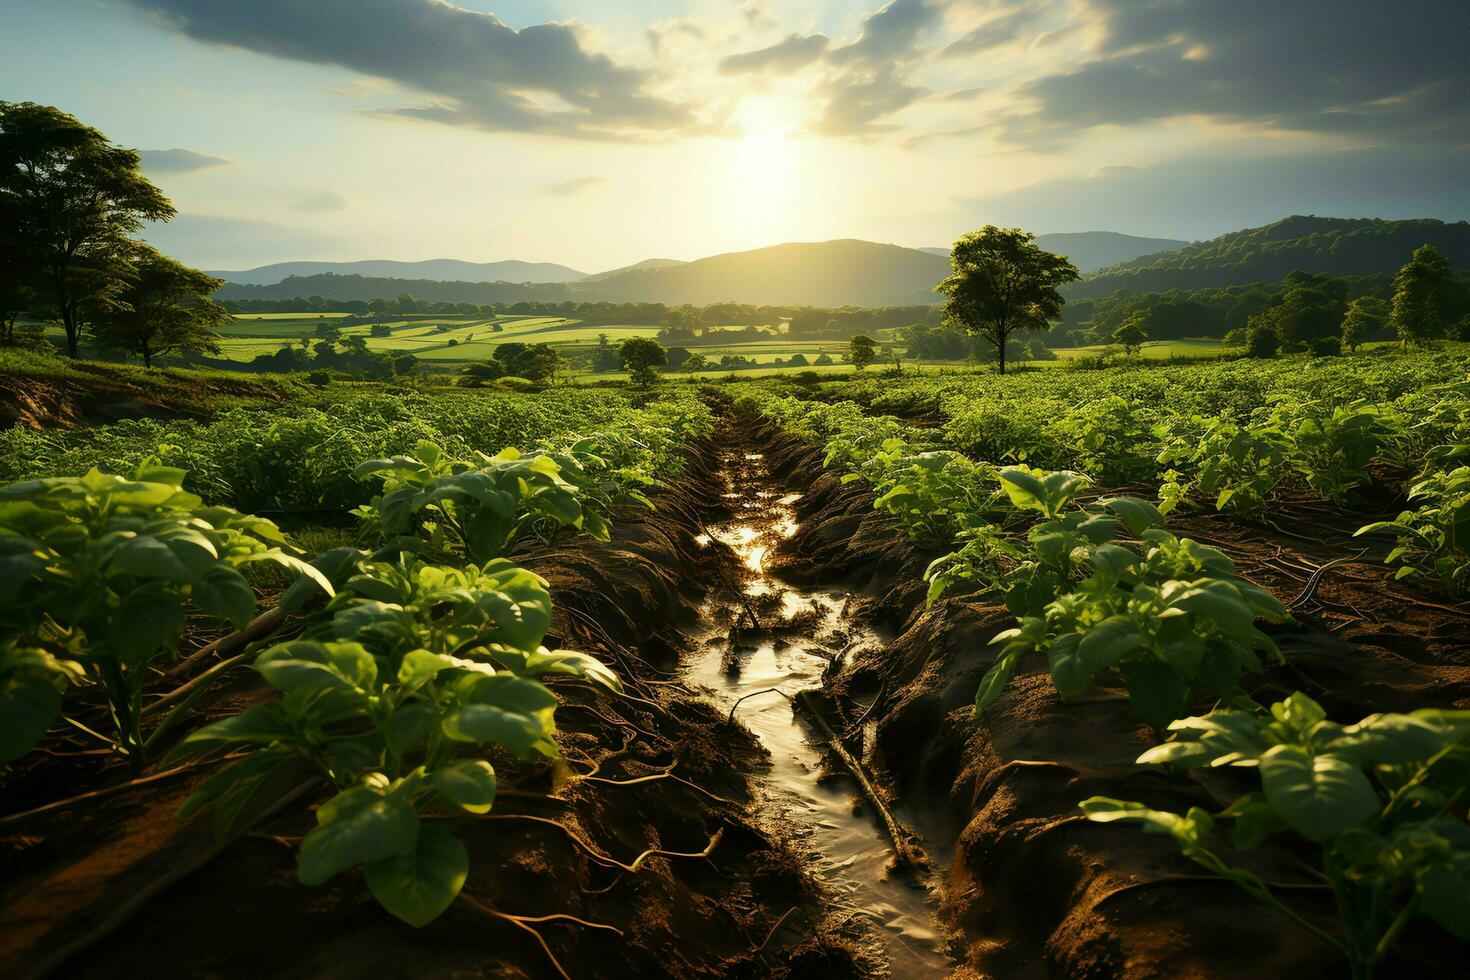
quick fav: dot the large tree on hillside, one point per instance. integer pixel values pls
(163, 307)
(1002, 283)
(76, 198)
(17, 271)
(1416, 315)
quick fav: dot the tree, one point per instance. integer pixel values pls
(476, 375)
(163, 307)
(695, 362)
(677, 357)
(605, 358)
(643, 356)
(1260, 337)
(1416, 315)
(1002, 282)
(1365, 317)
(534, 362)
(76, 199)
(1131, 333)
(861, 350)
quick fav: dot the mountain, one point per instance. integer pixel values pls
(1340, 246)
(1092, 250)
(645, 266)
(846, 272)
(838, 273)
(443, 270)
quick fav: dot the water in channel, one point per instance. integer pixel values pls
(802, 631)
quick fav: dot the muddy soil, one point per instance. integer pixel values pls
(100, 889)
(1035, 891)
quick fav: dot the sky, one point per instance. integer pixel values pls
(598, 134)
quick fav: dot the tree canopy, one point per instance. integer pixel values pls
(1003, 282)
(163, 306)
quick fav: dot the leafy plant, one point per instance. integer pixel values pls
(1240, 465)
(479, 506)
(1168, 622)
(99, 570)
(32, 682)
(1434, 539)
(1383, 799)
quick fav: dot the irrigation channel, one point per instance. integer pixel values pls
(762, 645)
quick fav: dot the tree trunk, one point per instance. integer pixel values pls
(147, 356)
(1000, 349)
(69, 321)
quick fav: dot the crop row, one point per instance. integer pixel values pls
(301, 457)
(427, 654)
(1106, 594)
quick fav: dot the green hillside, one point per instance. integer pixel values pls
(1340, 246)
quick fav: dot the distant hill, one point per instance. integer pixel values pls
(644, 266)
(838, 273)
(1341, 246)
(444, 270)
(1092, 250)
(846, 272)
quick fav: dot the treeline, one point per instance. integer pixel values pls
(1335, 246)
(1308, 304)
(70, 204)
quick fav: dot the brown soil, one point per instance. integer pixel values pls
(1036, 891)
(105, 395)
(749, 909)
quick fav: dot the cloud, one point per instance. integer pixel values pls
(475, 70)
(1358, 69)
(321, 201)
(872, 78)
(578, 186)
(782, 58)
(1202, 197)
(757, 13)
(992, 34)
(177, 161)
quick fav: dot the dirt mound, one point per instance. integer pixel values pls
(92, 394)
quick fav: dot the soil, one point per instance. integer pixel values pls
(1036, 891)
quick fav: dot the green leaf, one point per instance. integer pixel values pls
(1137, 515)
(222, 592)
(1319, 796)
(309, 664)
(468, 782)
(29, 704)
(418, 667)
(995, 680)
(1156, 692)
(360, 825)
(148, 619)
(1107, 643)
(410, 726)
(1182, 755)
(419, 885)
(1443, 889)
(1069, 672)
(512, 711)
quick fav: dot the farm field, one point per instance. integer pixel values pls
(869, 545)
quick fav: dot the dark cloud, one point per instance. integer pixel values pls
(1204, 197)
(571, 187)
(476, 70)
(178, 161)
(871, 81)
(782, 58)
(321, 201)
(992, 34)
(1332, 66)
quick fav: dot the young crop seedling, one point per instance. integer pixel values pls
(1383, 800)
(99, 571)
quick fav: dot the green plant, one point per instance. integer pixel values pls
(1240, 465)
(1434, 538)
(1167, 622)
(415, 668)
(32, 682)
(1383, 799)
(100, 569)
(479, 506)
